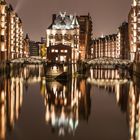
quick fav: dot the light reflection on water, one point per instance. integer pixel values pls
(68, 104)
(65, 104)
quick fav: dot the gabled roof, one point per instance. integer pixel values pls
(63, 21)
(2, 2)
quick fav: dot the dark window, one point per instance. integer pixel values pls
(2, 38)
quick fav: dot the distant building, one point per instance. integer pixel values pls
(123, 41)
(113, 46)
(34, 49)
(43, 40)
(85, 23)
(105, 47)
(42, 49)
(64, 30)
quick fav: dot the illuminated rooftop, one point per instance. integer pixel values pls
(64, 21)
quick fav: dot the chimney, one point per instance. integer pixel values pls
(53, 17)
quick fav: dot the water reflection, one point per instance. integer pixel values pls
(11, 94)
(11, 98)
(66, 104)
(133, 112)
(127, 95)
(112, 80)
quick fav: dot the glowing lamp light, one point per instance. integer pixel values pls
(54, 68)
(2, 96)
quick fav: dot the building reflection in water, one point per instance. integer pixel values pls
(127, 95)
(11, 98)
(11, 94)
(66, 104)
(133, 111)
(33, 73)
(112, 80)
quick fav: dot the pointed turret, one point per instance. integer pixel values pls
(27, 37)
(75, 22)
(134, 3)
(10, 7)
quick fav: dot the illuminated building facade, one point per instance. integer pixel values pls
(3, 11)
(134, 28)
(14, 35)
(85, 23)
(73, 31)
(64, 30)
(123, 41)
(11, 33)
(105, 47)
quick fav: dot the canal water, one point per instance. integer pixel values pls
(103, 104)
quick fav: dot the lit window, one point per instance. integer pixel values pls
(138, 20)
(135, 39)
(135, 19)
(56, 51)
(66, 51)
(62, 58)
(52, 50)
(135, 26)
(56, 59)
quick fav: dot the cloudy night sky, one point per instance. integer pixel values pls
(36, 15)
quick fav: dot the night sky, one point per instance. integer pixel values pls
(106, 15)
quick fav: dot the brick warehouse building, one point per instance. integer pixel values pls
(71, 30)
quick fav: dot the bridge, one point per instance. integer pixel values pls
(108, 61)
(30, 60)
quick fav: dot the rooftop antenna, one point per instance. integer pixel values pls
(102, 35)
